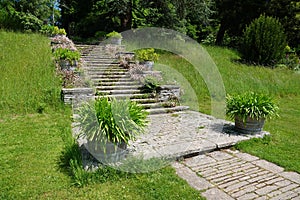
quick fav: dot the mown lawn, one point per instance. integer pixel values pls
(283, 146)
(33, 126)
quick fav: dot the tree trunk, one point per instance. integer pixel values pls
(126, 19)
(220, 34)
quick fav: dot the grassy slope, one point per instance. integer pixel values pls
(31, 143)
(283, 146)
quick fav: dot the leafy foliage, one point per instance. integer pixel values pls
(263, 41)
(114, 34)
(66, 54)
(151, 85)
(26, 15)
(115, 121)
(251, 105)
(147, 55)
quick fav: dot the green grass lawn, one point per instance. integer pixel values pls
(33, 126)
(283, 146)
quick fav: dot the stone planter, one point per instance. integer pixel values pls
(67, 65)
(148, 65)
(110, 153)
(250, 126)
(116, 41)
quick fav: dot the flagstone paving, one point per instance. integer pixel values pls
(185, 133)
(228, 175)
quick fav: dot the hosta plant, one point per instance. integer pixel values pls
(251, 105)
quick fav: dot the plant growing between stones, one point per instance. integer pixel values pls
(67, 55)
(114, 34)
(147, 55)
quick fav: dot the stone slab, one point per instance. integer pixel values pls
(193, 180)
(216, 194)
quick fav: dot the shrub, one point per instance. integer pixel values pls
(147, 55)
(66, 54)
(264, 41)
(114, 34)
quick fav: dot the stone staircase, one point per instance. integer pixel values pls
(110, 80)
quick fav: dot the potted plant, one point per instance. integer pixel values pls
(67, 58)
(147, 57)
(115, 38)
(250, 110)
(108, 126)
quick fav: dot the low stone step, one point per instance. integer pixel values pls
(111, 76)
(117, 87)
(145, 100)
(118, 83)
(107, 69)
(128, 96)
(108, 73)
(97, 59)
(154, 111)
(118, 92)
(110, 80)
(151, 105)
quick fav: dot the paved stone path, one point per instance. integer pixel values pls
(185, 133)
(231, 174)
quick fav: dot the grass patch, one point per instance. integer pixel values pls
(27, 81)
(36, 148)
(284, 85)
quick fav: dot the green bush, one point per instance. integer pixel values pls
(264, 41)
(147, 55)
(114, 34)
(66, 54)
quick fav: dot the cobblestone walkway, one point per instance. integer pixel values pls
(185, 133)
(234, 175)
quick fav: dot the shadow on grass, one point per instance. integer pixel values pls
(71, 159)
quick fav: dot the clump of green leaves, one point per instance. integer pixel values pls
(114, 34)
(150, 85)
(251, 105)
(113, 120)
(147, 55)
(52, 30)
(66, 54)
(264, 41)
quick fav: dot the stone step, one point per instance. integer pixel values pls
(155, 111)
(112, 68)
(136, 96)
(144, 101)
(151, 105)
(110, 81)
(118, 83)
(119, 92)
(110, 76)
(107, 73)
(117, 87)
(99, 57)
(101, 62)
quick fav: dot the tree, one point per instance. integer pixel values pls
(120, 15)
(288, 13)
(25, 15)
(234, 15)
